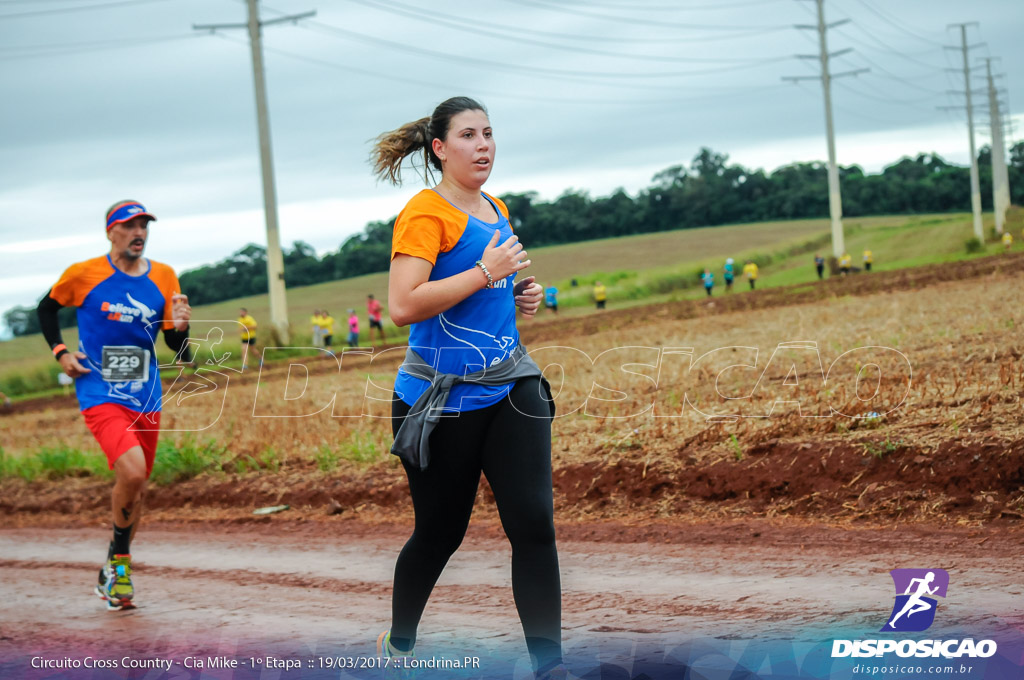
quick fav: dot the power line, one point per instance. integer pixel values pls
(469, 27)
(707, 94)
(884, 47)
(336, 31)
(633, 20)
(68, 10)
(915, 103)
(896, 23)
(885, 73)
(673, 8)
(32, 2)
(54, 50)
(850, 112)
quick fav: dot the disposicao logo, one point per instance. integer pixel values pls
(913, 610)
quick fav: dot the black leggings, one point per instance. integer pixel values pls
(510, 442)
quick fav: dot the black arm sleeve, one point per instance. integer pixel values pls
(48, 323)
(178, 341)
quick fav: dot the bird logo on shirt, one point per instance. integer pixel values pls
(143, 309)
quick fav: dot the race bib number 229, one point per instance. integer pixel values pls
(125, 363)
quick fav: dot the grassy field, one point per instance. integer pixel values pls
(760, 416)
(636, 269)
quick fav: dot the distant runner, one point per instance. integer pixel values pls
(551, 299)
(819, 264)
(248, 332)
(600, 294)
(327, 330)
(353, 328)
(845, 264)
(709, 280)
(317, 333)
(750, 271)
(729, 273)
(123, 301)
(373, 312)
(868, 259)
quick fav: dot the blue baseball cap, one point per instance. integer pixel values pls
(122, 211)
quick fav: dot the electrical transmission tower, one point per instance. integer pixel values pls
(1000, 176)
(835, 199)
(975, 183)
(275, 259)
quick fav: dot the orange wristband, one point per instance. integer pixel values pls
(59, 348)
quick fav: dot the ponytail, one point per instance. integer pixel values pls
(391, 148)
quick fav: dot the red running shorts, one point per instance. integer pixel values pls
(118, 429)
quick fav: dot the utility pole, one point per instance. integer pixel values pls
(835, 199)
(275, 259)
(1000, 177)
(975, 183)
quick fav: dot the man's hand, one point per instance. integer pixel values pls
(181, 313)
(528, 295)
(70, 364)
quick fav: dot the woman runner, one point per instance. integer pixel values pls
(454, 260)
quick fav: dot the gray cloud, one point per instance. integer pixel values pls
(172, 122)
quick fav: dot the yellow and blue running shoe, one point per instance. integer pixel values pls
(394, 665)
(115, 583)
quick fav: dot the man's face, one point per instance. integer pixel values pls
(128, 238)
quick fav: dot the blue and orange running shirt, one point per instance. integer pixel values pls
(123, 314)
(477, 332)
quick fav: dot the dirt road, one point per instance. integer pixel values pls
(657, 600)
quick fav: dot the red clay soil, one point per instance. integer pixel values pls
(830, 481)
(780, 539)
(310, 590)
(815, 475)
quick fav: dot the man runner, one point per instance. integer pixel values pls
(123, 299)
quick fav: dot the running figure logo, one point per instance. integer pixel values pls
(913, 610)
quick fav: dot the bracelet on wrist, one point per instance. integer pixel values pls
(483, 268)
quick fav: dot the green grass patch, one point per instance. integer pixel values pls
(53, 462)
(185, 460)
(363, 447)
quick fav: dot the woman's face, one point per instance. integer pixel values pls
(467, 154)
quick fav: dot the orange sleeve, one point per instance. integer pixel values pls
(79, 279)
(417, 234)
(428, 225)
(167, 281)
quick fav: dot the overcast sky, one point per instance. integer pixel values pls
(107, 99)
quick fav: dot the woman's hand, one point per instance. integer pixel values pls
(528, 295)
(505, 259)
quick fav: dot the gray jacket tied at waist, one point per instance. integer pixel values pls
(412, 440)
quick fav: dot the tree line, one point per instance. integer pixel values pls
(708, 192)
